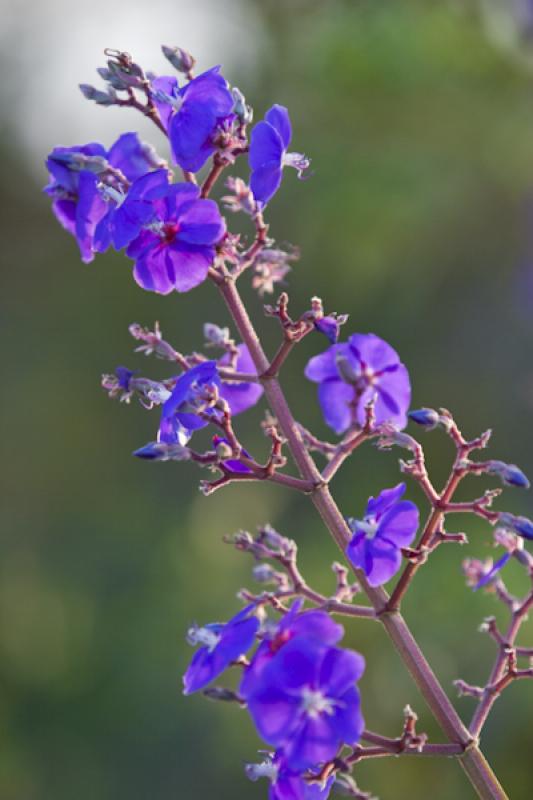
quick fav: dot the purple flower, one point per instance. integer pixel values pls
(330, 327)
(187, 398)
(77, 175)
(388, 525)
(193, 115)
(240, 396)
(296, 623)
(268, 155)
(352, 373)
(286, 784)
(221, 644)
(306, 703)
(176, 250)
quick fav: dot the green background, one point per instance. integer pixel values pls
(418, 223)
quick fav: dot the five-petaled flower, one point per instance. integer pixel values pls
(268, 154)
(388, 525)
(193, 114)
(305, 701)
(177, 248)
(222, 643)
(355, 372)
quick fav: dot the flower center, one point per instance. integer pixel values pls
(169, 231)
(204, 636)
(369, 526)
(315, 703)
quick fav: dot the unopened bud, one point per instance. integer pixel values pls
(180, 59)
(241, 109)
(102, 98)
(427, 417)
(264, 573)
(221, 694)
(214, 335)
(520, 525)
(509, 474)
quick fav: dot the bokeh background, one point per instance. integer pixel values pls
(418, 222)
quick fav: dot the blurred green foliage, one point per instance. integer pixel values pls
(416, 222)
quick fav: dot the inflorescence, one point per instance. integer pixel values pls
(297, 682)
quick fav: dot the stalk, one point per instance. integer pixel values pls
(472, 760)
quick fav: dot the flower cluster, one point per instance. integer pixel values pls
(298, 685)
(299, 688)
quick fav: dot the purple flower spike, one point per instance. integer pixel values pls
(353, 373)
(268, 155)
(240, 396)
(181, 407)
(222, 644)
(176, 250)
(306, 703)
(389, 524)
(193, 115)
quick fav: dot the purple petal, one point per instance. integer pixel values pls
(501, 562)
(151, 270)
(394, 397)
(265, 181)
(238, 637)
(348, 721)
(324, 366)
(89, 211)
(129, 155)
(278, 117)
(210, 88)
(266, 146)
(189, 264)
(339, 670)
(315, 741)
(189, 129)
(274, 713)
(65, 213)
(201, 223)
(372, 351)
(317, 624)
(201, 671)
(399, 524)
(168, 85)
(335, 398)
(386, 561)
(377, 506)
(295, 664)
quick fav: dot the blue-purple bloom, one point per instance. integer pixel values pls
(351, 374)
(388, 525)
(305, 701)
(221, 643)
(79, 196)
(330, 327)
(175, 251)
(269, 143)
(193, 114)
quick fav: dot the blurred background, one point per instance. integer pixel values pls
(418, 222)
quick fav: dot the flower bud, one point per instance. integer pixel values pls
(330, 327)
(509, 474)
(271, 538)
(214, 335)
(243, 112)
(520, 525)
(264, 573)
(99, 97)
(180, 59)
(221, 694)
(160, 451)
(427, 417)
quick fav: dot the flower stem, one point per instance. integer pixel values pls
(472, 760)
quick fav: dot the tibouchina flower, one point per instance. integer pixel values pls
(193, 114)
(305, 701)
(269, 142)
(175, 251)
(388, 525)
(352, 373)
